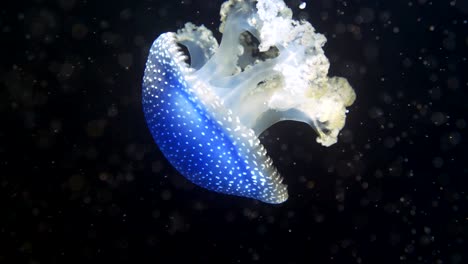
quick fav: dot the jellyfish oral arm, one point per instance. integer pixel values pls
(292, 76)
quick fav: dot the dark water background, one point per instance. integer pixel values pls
(81, 180)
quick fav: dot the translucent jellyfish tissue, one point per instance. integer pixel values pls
(206, 115)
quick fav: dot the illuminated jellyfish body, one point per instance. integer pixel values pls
(206, 117)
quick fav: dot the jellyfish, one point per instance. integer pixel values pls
(206, 109)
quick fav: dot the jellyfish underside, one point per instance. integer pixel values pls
(241, 91)
(254, 81)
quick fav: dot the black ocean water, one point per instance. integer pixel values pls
(81, 180)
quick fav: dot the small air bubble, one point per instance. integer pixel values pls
(438, 162)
